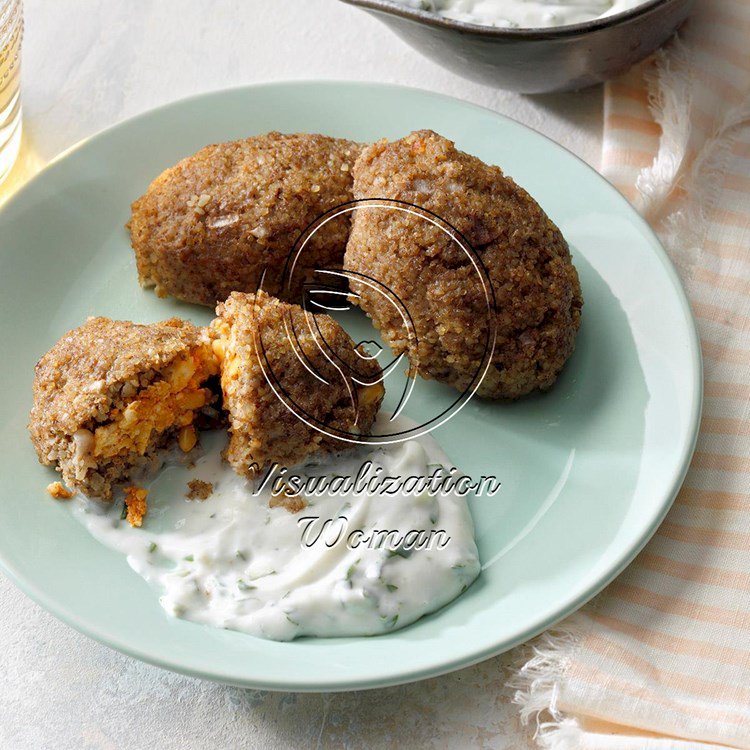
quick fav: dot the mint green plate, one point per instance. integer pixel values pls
(588, 470)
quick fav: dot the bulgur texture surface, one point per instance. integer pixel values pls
(537, 296)
(292, 381)
(210, 225)
(91, 373)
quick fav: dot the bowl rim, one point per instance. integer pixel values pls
(427, 18)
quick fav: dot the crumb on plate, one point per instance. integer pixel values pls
(291, 503)
(59, 491)
(198, 489)
(137, 507)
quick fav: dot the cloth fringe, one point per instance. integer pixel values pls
(536, 684)
(667, 81)
(684, 228)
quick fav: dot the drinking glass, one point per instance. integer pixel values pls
(11, 32)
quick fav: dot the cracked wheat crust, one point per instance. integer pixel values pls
(77, 381)
(263, 430)
(537, 293)
(208, 225)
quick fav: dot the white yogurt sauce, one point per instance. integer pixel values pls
(524, 14)
(233, 562)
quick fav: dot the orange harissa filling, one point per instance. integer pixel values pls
(167, 403)
(231, 367)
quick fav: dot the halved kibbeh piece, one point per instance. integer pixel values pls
(294, 383)
(110, 394)
(214, 222)
(536, 310)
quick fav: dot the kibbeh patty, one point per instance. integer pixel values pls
(290, 379)
(110, 393)
(212, 223)
(537, 295)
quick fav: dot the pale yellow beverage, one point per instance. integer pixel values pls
(11, 32)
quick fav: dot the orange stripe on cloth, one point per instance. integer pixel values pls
(713, 499)
(604, 681)
(725, 353)
(725, 426)
(706, 537)
(635, 124)
(674, 644)
(729, 217)
(721, 462)
(728, 91)
(718, 389)
(723, 280)
(741, 148)
(672, 605)
(724, 53)
(737, 182)
(673, 680)
(705, 575)
(721, 315)
(630, 157)
(627, 91)
(728, 250)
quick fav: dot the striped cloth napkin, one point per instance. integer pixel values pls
(661, 659)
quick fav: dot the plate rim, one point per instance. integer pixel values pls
(567, 606)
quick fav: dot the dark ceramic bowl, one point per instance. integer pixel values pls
(535, 61)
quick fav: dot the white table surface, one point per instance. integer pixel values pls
(86, 65)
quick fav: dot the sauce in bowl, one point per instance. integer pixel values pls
(523, 14)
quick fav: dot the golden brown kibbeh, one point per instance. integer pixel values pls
(291, 382)
(537, 295)
(110, 394)
(212, 223)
